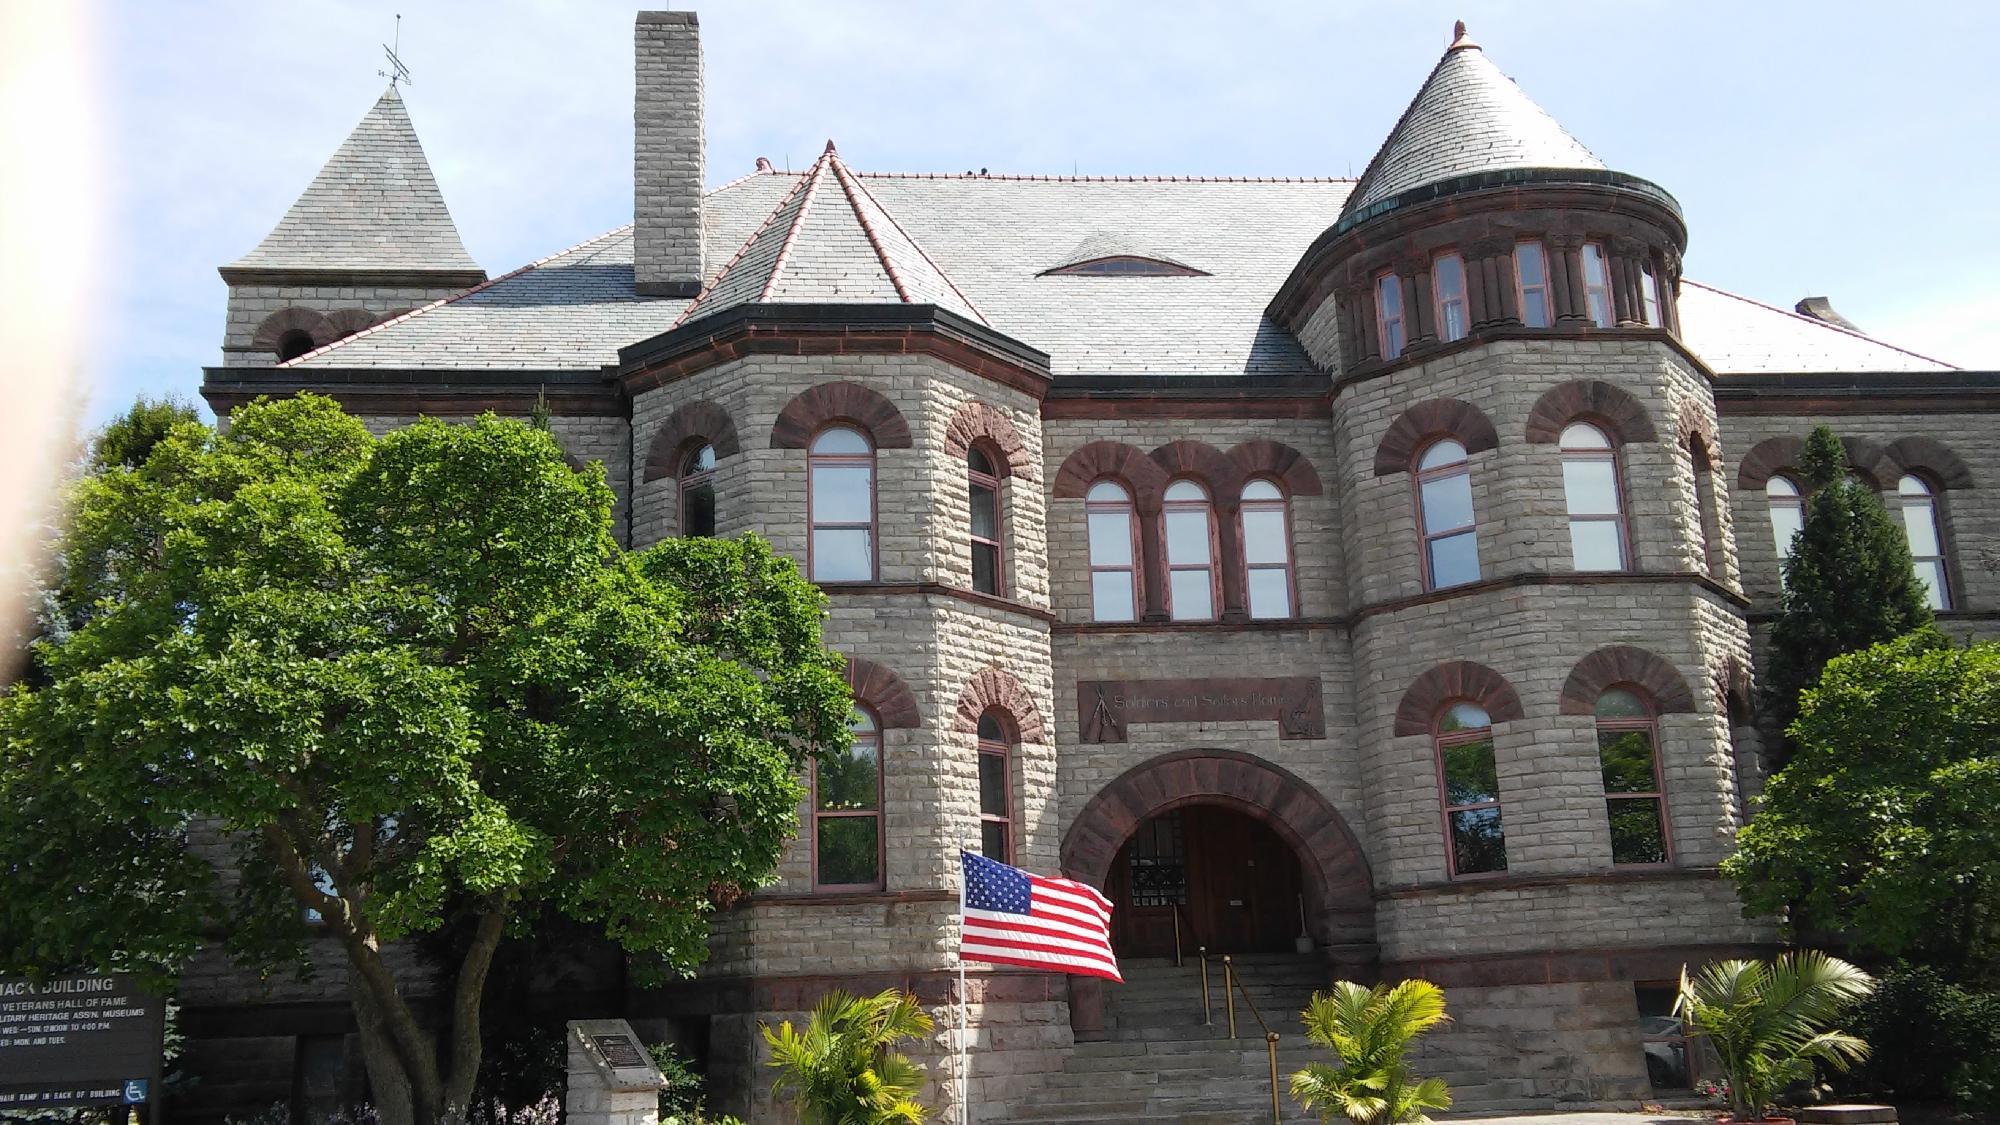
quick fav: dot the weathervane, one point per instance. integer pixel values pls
(397, 72)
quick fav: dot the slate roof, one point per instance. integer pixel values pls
(829, 241)
(1468, 117)
(993, 236)
(373, 206)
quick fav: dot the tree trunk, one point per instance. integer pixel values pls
(462, 1072)
(408, 1056)
(388, 1085)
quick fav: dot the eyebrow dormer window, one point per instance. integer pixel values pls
(1124, 265)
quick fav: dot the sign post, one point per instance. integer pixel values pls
(79, 1040)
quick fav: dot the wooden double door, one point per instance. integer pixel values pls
(1234, 881)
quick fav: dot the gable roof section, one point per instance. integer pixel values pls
(829, 241)
(373, 206)
(1467, 118)
(1738, 336)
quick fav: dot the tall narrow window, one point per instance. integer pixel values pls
(1590, 488)
(698, 492)
(1448, 290)
(1190, 527)
(1707, 523)
(1444, 516)
(1531, 276)
(1389, 314)
(842, 503)
(1788, 513)
(1649, 296)
(1114, 530)
(1634, 801)
(983, 489)
(847, 812)
(996, 797)
(1267, 550)
(1469, 788)
(1920, 523)
(1596, 285)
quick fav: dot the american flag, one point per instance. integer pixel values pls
(1014, 918)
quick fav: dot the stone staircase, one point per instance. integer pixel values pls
(1159, 1062)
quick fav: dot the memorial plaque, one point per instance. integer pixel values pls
(78, 1040)
(1106, 707)
(620, 1051)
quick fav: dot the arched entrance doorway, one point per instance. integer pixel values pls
(1205, 875)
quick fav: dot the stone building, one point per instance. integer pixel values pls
(1361, 577)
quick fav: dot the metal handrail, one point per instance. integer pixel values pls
(1230, 987)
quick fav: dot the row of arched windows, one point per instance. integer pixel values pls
(1189, 536)
(1470, 798)
(1916, 503)
(847, 836)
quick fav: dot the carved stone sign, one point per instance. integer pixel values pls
(1106, 707)
(81, 1040)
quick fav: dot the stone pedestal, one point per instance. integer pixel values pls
(612, 1080)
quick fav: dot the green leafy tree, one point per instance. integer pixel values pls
(401, 684)
(1371, 1030)
(1883, 826)
(1770, 1023)
(842, 1067)
(1849, 581)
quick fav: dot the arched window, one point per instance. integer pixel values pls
(841, 502)
(1706, 520)
(1531, 281)
(847, 812)
(983, 490)
(1190, 528)
(1114, 535)
(1590, 489)
(1920, 523)
(996, 789)
(1597, 285)
(698, 492)
(1635, 803)
(1469, 791)
(1448, 295)
(1444, 516)
(294, 344)
(1267, 550)
(1389, 314)
(1788, 512)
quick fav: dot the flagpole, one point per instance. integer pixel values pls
(964, 1012)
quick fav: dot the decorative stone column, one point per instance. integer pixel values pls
(611, 1080)
(1571, 299)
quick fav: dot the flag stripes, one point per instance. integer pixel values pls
(1011, 917)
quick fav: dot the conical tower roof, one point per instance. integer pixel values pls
(1468, 118)
(373, 206)
(829, 241)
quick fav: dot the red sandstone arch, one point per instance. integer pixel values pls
(1099, 459)
(1625, 664)
(1330, 858)
(1933, 459)
(1690, 428)
(976, 422)
(996, 688)
(346, 322)
(1458, 679)
(1262, 458)
(704, 421)
(1202, 461)
(817, 407)
(1623, 417)
(292, 318)
(1771, 456)
(883, 692)
(1439, 417)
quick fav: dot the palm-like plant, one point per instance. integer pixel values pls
(1769, 1023)
(1371, 1029)
(842, 1069)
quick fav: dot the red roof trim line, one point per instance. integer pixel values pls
(487, 284)
(811, 185)
(1796, 315)
(695, 304)
(847, 177)
(847, 187)
(1106, 179)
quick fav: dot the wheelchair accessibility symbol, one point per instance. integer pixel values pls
(135, 1091)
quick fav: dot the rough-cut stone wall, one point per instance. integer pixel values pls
(1539, 1046)
(251, 305)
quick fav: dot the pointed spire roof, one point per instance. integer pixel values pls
(1468, 118)
(830, 241)
(373, 206)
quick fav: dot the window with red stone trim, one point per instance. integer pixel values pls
(983, 493)
(1531, 281)
(698, 492)
(1918, 502)
(1389, 314)
(1113, 530)
(847, 812)
(1443, 481)
(1448, 296)
(1469, 791)
(1267, 550)
(1188, 522)
(840, 502)
(996, 788)
(1591, 491)
(1635, 802)
(1597, 285)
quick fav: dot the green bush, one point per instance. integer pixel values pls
(1934, 1040)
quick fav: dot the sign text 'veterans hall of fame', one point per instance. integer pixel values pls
(78, 1040)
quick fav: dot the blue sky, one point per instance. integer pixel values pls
(1837, 149)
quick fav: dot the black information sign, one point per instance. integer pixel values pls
(619, 1051)
(84, 1040)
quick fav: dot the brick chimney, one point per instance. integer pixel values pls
(668, 155)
